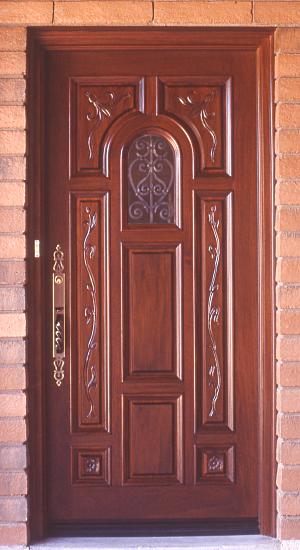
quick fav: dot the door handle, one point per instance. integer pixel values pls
(58, 315)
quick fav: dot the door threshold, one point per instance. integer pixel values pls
(227, 542)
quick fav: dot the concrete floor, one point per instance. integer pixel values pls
(249, 542)
(245, 542)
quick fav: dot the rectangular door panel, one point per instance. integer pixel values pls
(90, 300)
(152, 432)
(152, 311)
(214, 310)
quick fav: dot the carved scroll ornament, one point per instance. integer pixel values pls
(201, 108)
(102, 107)
(213, 312)
(90, 311)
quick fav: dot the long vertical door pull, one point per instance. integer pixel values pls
(58, 285)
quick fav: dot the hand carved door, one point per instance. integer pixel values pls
(152, 246)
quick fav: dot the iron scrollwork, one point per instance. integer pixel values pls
(151, 174)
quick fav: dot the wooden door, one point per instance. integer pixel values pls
(152, 262)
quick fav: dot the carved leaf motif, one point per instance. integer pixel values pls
(213, 312)
(90, 311)
(200, 108)
(102, 108)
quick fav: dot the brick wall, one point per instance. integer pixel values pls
(14, 17)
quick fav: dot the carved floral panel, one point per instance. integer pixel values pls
(203, 106)
(96, 104)
(152, 181)
(91, 335)
(213, 253)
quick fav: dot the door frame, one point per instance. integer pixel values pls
(40, 41)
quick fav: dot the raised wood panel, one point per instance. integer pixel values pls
(90, 298)
(152, 331)
(203, 105)
(215, 464)
(152, 440)
(91, 466)
(214, 311)
(96, 103)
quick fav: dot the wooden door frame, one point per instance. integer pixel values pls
(41, 40)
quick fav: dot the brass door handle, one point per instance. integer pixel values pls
(58, 315)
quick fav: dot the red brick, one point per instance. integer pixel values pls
(26, 13)
(12, 272)
(13, 39)
(287, 40)
(289, 504)
(12, 116)
(12, 142)
(288, 321)
(288, 427)
(13, 484)
(13, 509)
(288, 400)
(12, 63)
(12, 378)
(12, 220)
(288, 192)
(204, 13)
(13, 534)
(289, 452)
(288, 348)
(288, 478)
(288, 270)
(12, 299)
(287, 89)
(12, 430)
(287, 115)
(287, 65)
(288, 218)
(288, 374)
(288, 244)
(12, 168)
(288, 528)
(12, 404)
(12, 90)
(287, 141)
(12, 351)
(288, 166)
(12, 193)
(13, 458)
(102, 13)
(12, 324)
(288, 296)
(12, 247)
(276, 13)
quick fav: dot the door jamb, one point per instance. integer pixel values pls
(42, 40)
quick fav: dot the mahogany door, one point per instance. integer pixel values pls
(152, 297)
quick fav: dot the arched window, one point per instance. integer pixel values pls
(151, 179)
